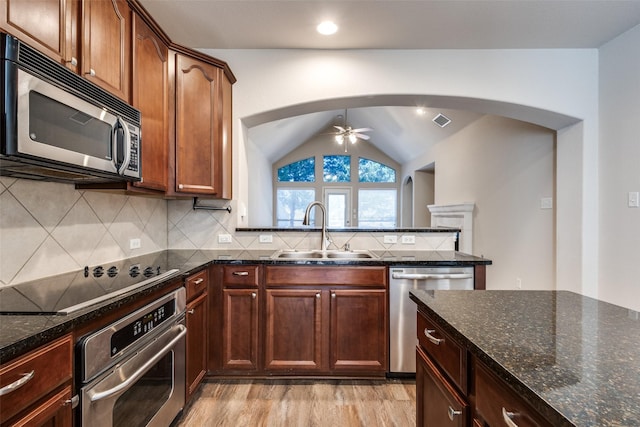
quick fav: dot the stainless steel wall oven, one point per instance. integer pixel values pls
(132, 372)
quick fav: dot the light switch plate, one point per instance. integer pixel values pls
(546, 203)
(134, 244)
(634, 199)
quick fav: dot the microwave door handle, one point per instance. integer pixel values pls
(127, 146)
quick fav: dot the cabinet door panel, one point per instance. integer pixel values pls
(358, 330)
(240, 329)
(197, 141)
(55, 411)
(40, 23)
(438, 404)
(294, 330)
(151, 97)
(196, 343)
(107, 45)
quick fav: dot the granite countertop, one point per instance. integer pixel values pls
(574, 358)
(21, 333)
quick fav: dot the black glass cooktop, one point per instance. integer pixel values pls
(66, 293)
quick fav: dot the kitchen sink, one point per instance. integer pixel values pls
(319, 254)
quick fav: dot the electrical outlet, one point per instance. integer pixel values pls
(518, 283)
(134, 244)
(634, 199)
(266, 238)
(546, 203)
(224, 238)
(409, 240)
(390, 238)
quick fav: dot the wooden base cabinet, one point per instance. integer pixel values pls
(240, 329)
(197, 330)
(326, 320)
(358, 330)
(438, 404)
(294, 336)
(35, 389)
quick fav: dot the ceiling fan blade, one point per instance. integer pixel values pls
(340, 128)
(361, 130)
(363, 136)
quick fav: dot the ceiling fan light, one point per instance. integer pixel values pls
(340, 139)
(353, 138)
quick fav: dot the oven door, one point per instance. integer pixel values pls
(146, 389)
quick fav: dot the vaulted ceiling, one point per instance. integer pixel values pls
(416, 24)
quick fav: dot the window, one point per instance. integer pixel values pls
(368, 201)
(336, 169)
(372, 171)
(377, 208)
(291, 204)
(300, 171)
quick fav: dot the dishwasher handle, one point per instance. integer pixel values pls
(430, 276)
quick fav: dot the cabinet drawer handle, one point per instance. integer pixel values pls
(240, 273)
(180, 186)
(198, 281)
(253, 295)
(17, 384)
(453, 413)
(506, 415)
(436, 341)
(191, 311)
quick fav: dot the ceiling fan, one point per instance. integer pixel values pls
(346, 132)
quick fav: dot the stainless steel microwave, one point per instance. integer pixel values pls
(57, 126)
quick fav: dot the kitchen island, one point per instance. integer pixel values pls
(575, 360)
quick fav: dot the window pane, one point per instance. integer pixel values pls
(370, 171)
(377, 208)
(337, 169)
(300, 171)
(291, 205)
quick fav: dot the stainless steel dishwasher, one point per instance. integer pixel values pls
(402, 311)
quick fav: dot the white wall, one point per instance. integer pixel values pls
(619, 276)
(531, 85)
(505, 167)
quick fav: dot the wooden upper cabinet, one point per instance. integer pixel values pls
(47, 25)
(106, 45)
(151, 97)
(198, 145)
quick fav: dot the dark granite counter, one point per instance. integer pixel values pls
(575, 359)
(21, 333)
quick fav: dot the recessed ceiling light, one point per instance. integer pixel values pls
(421, 111)
(327, 28)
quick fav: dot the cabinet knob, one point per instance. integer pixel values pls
(318, 295)
(333, 294)
(436, 341)
(73, 401)
(191, 311)
(73, 61)
(253, 295)
(453, 413)
(180, 186)
(92, 72)
(507, 417)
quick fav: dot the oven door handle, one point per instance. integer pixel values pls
(141, 371)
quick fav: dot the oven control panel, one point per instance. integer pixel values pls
(141, 326)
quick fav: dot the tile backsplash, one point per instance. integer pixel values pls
(50, 228)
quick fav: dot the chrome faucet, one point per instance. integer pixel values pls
(305, 221)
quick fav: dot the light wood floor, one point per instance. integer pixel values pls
(296, 403)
